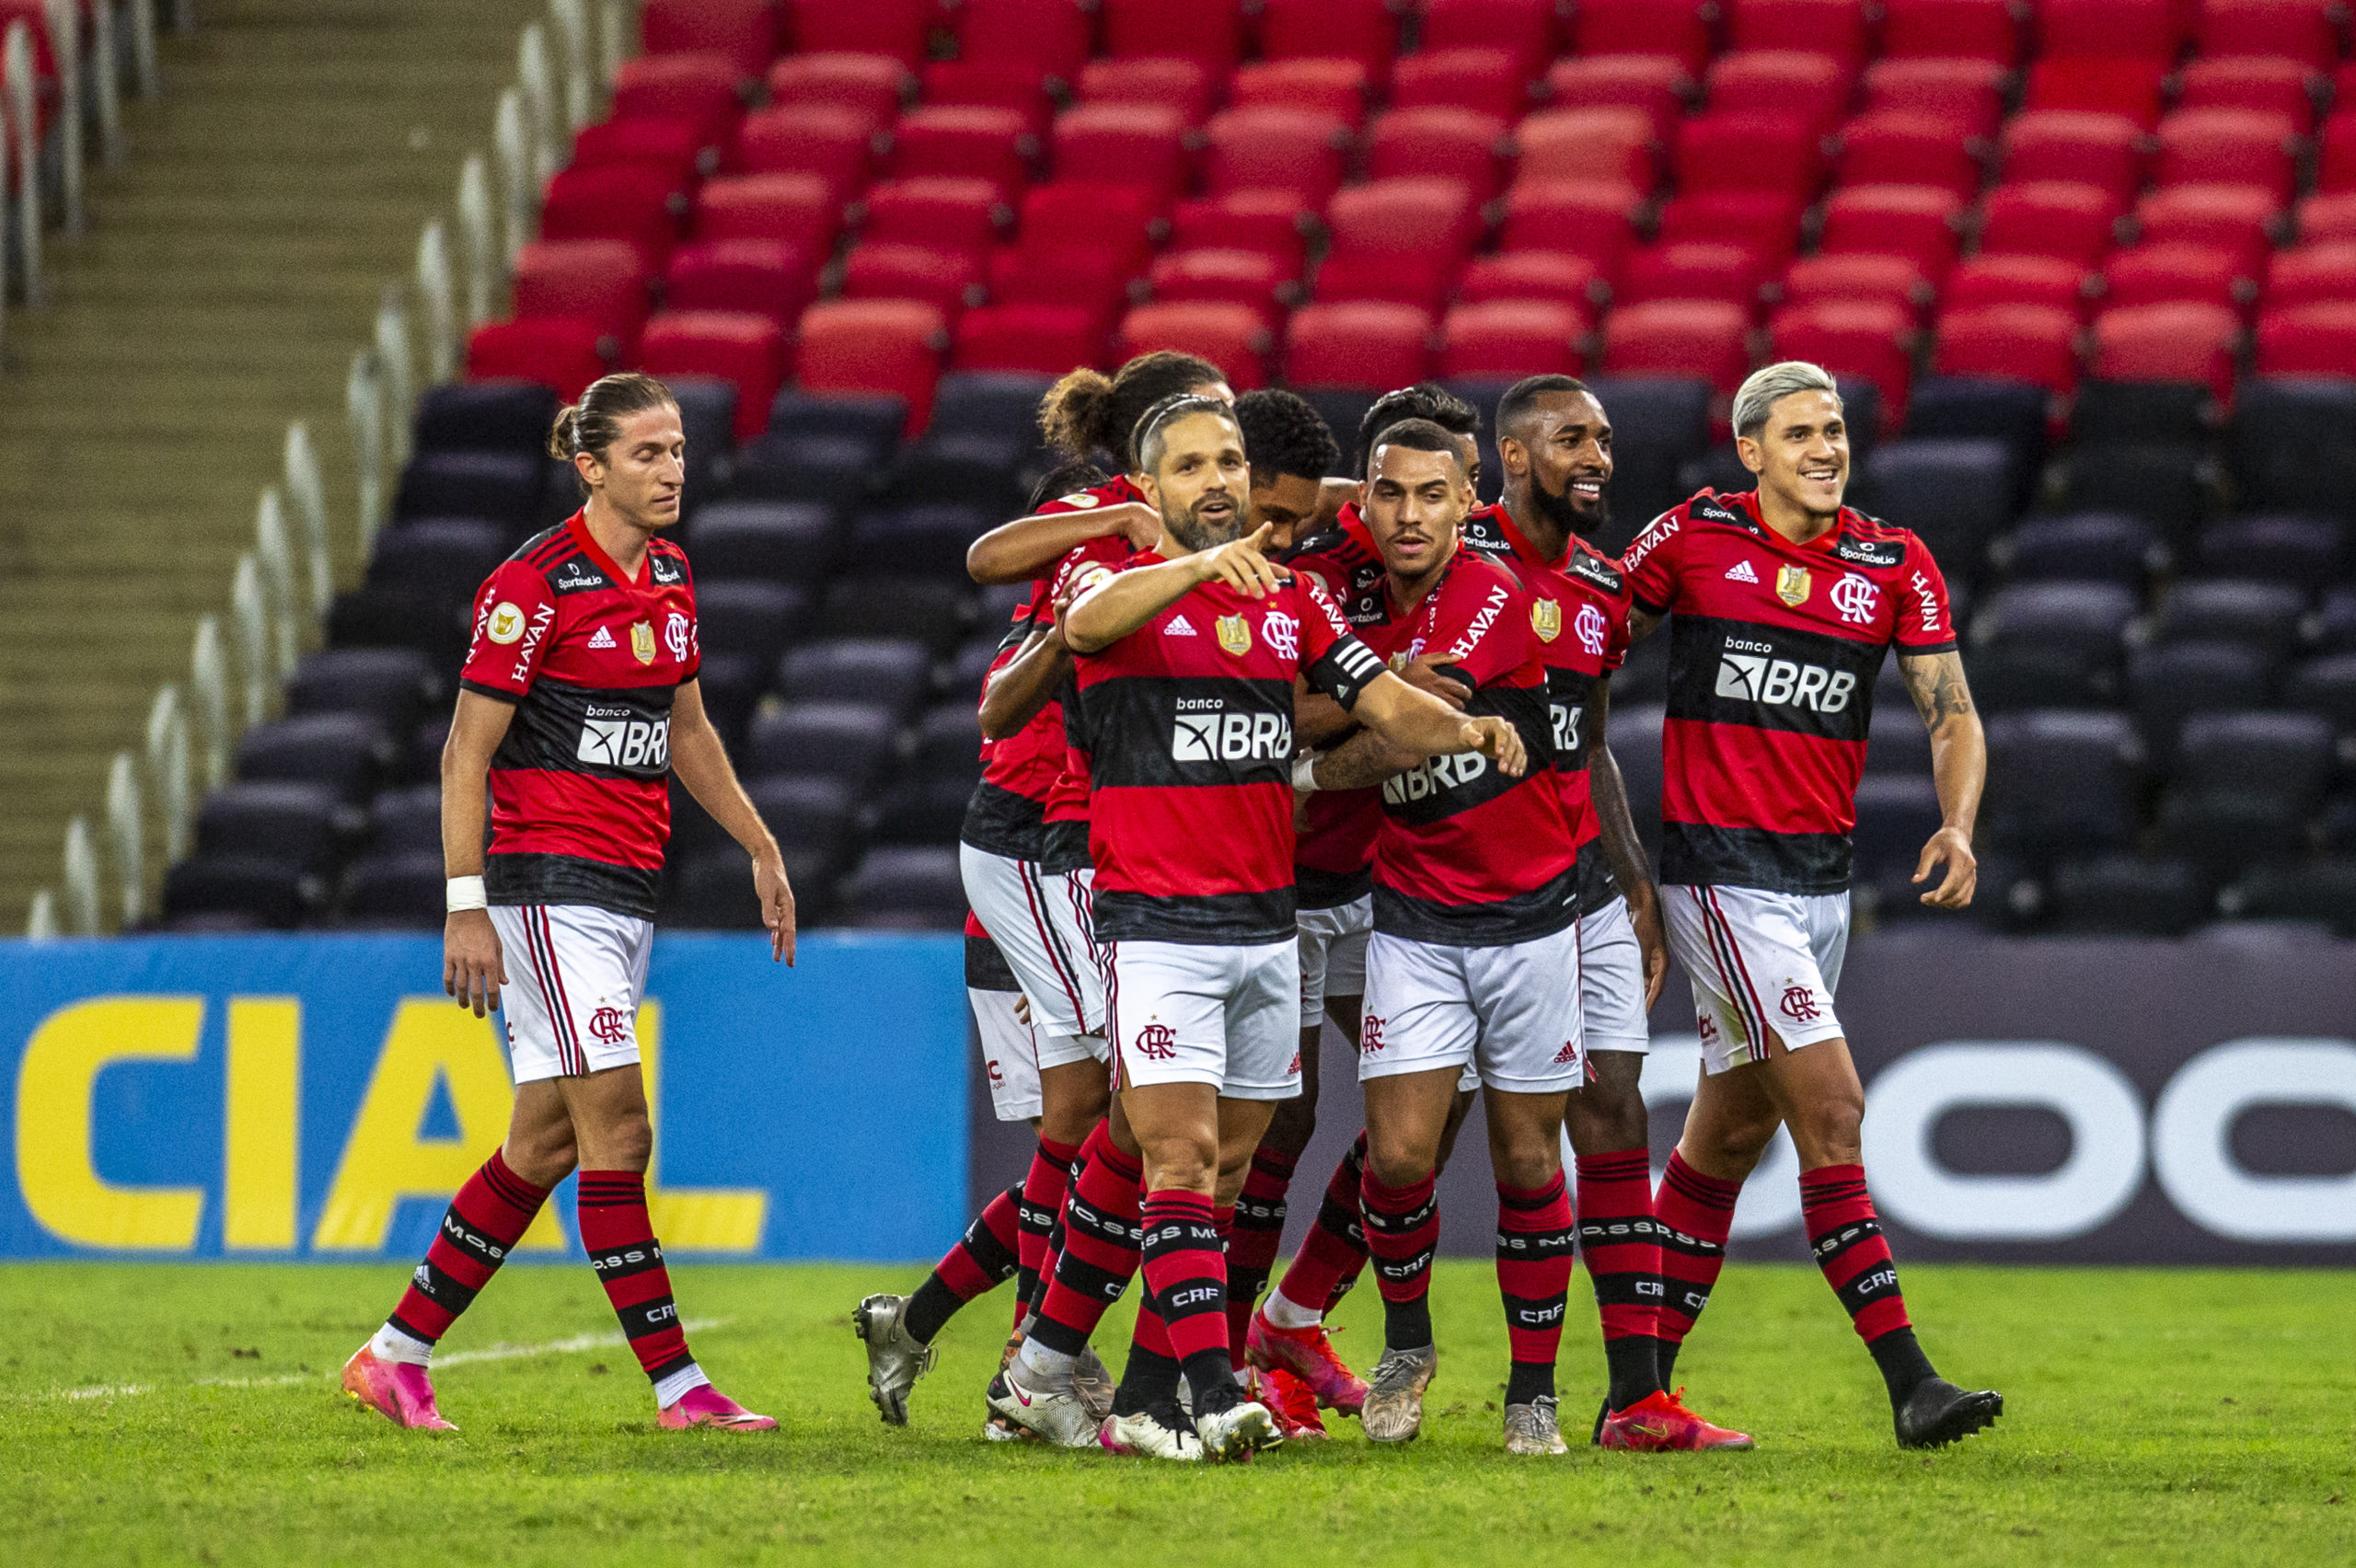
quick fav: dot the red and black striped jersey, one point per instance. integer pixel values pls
(1006, 813)
(1334, 849)
(1774, 648)
(591, 659)
(1469, 856)
(1579, 612)
(1188, 722)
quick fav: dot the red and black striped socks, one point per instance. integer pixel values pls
(1185, 1276)
(1041, 1205)
(629, 1261)
(1695, 1212)
(1402, 1232)
(1534, 1276)
(1850, 1247)
(984, 1259)
(1259, 1233)
(1099, 1251)
(1333, 1252)
(1622, 1251)
(481, 1227)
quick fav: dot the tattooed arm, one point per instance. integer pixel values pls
(1959, 766)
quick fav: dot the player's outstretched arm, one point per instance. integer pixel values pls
(1121, 603)
(701, 762)
(473, 969)
(1418, 721)
(1622, 849)
(1028, 547)
(1959, 766)
(1021, 687)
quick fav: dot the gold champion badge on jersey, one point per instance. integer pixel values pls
(1791, 585)
(1546, 620)
(642, 642)
(1234, 635)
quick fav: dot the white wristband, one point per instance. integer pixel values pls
(1304, 772)
(463, 894)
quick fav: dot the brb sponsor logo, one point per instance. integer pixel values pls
(1207, 733)
(1566, 717)
(1429, 777)
(1748, 672)
(611, 738)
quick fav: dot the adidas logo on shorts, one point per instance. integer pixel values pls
(1568, 1055)
(1740, 572)
(604, 638)
(1180, 627)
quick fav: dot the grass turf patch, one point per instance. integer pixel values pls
(166, 1413)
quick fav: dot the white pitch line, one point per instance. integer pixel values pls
(610, 1340)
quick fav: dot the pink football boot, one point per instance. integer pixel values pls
(400, 1390)
(706, 1406)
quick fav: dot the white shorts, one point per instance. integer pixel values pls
(1184, 1012)
(1509, 1013)
(1009, 1053)
(1333, 955)
(1611, 981)
(1040, 921)
(1758, 961)
(575, 975)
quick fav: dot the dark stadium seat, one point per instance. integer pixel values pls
(396, 890)
(303, 828)
(1897, 742)
(915, 541)
(749, 620)
(992, 404)
(925, 610)
(393, 683)
(436, 626)
(2243, 786)
(2327, 686)
(505, 487)
(1658, 425)
(443, 560)
(1978, 409)
(905, 887)
(815, 816)
(2333, 630)
(1680, 28)
(971, 663)
(2096, 546)
(979, 472)
(833, 471)
(265, 892)
(714, 893)
(870, 85)
(928, 806)
(405, 821)
(2319, 891)
(2126, 895)
(877, 671)
(1653, 84)
(484, 416)
(2293, 445)
(2169, 484)
(2167, 684)
(1956, 494)
(600, 281)
(2060, 780)
(765, 277)
(343, 752)
(1897, 813)
(2048, 645)
(853, 741)
(870, 421)
(765, 541)
(2264, 615)
(2301, 551)
(561, 356)
(745, 32)
(2153, 411)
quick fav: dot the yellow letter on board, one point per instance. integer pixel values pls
(63, 1060)
(261, 1123)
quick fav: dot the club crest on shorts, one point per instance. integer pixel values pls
(1546, 620)
(1234, 635)
(1791, 585)
(642, 642)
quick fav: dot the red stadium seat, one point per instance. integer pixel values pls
(1704, 339)
(901, 28)
(1231, 337)
(2308, 340)
(2176, 273)
(2102, 150)
(697, 88)
(747, 350)
(1955, 29)
(1723, 272)
(1761, 153)
(761, 276)
(1075, 243)
(1870, 339)
(1041, 339)
(2137, 30)
(1211, 33)
(1890, 280)
(1921, 223)
(2178, 341)
(1448, 144)
(1237, 277)
(946, 279)
(2113, 84)
(1366, 344)
(1276, 149)
(1594, 219)
(2229, 146)
(1654, 85)
(2255, 82)
(1552, 275)
(1273, 220)
(1181, 85)
(2312, 275)
(1506, 340)
(1096, 282)
(2303, 31)
(669, 146)
(601, 281)
(1897, 147)
(2327, 217)
(1813, 88)
(2046, 281)
(869, 85)
(1966, 94)
(1363, 31)
(1836, 28)
(1049, 38)
(2076, 223)
(1525, 29)
(1485, 81)
(2010, 342)
(1678, 27)
(981, 84)
(745, 32)
(1337, 87)
(2336, 153)
(1139, 146)
(958, 143)
(1768, 226)
(2239, 218)
(888, 347)
(556, 353)
(826, 140)
(937, 211)
(1587, 145)
(1397, 239)
(798, 210)
(628, 201)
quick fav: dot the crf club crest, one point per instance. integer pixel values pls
(1799, 1004)
(609, 1025)
(1370, 1035)
(1157, 1043)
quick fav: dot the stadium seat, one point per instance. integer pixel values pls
(869, 85)
(2141, 29)
(1050, 37)
(1460, 144)
(2308, 340)
(2336, 153)
(1238, 277)
(966, 470)
(925, 540)
(848, 741)
(1678, 28)
(2176, 273)
(764, 542)
(407, 821)
(1767, 225)
(797, 210)
(623, 201)
(395, 891)
(1921, 223)
(1335, 87)
(2046, 281)
(1161, 81)
(2049, 644)
(1397, 239)
(1958, 495)
(2239, 218)
(504, 488)
(938, 211)
(1075, 243)
(2243, 786)
(393, 683)
(2327, 686)
(2168, 683)
(1232, 337)
(873, 346)
(905, 887)
(669, 146)
(746, 350)
(1274, 220)
(1756, 154)
(1210, 34)
(1524, 30)
(2270, 85)
(1783, 78)
(1019, 90)
(2061, 779)
(1553, 276)
(1897, 744)
(2333, 630)
(2122, 84)
(563, 355)
(2229, 146)
(825, 470)
(1658, 426)
(900, 28)
(960, 142)
(745, 31)
(209, 895)
(946, 279)
(1965, 94)
(2078, 145)
(2156, 411)
(2301, 551)
(2264, 615)
(2302, 31)
(872, 422)
(764, 277)
(1901, 146)
(483, 416)
(928, 610)
(2094, 547)
(826, 140)
(1981, 30)
(342, 753)
(2076, 223)
(1482, 81)
(2319, 892)
(2292, 444)
(1691, 271)
(2124, 894)
(1833, 28)
(600, 281)
(1595, 146)
(1654, 86)
(1269, 148)
(1046, 339)
(1504, 340)
(1369, 344)
(1983, 408)
(697, 89)
(1870, 339)
(1895, 280)
(2311, 274)
(1594, 220)
(303, 827)
(2189, 342)
(1699, 338)
(1002, 406)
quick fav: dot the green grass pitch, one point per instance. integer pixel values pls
(165, 1414)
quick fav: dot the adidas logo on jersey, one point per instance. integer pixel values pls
(1740, 572)
(604, 638)
(1180, 627)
